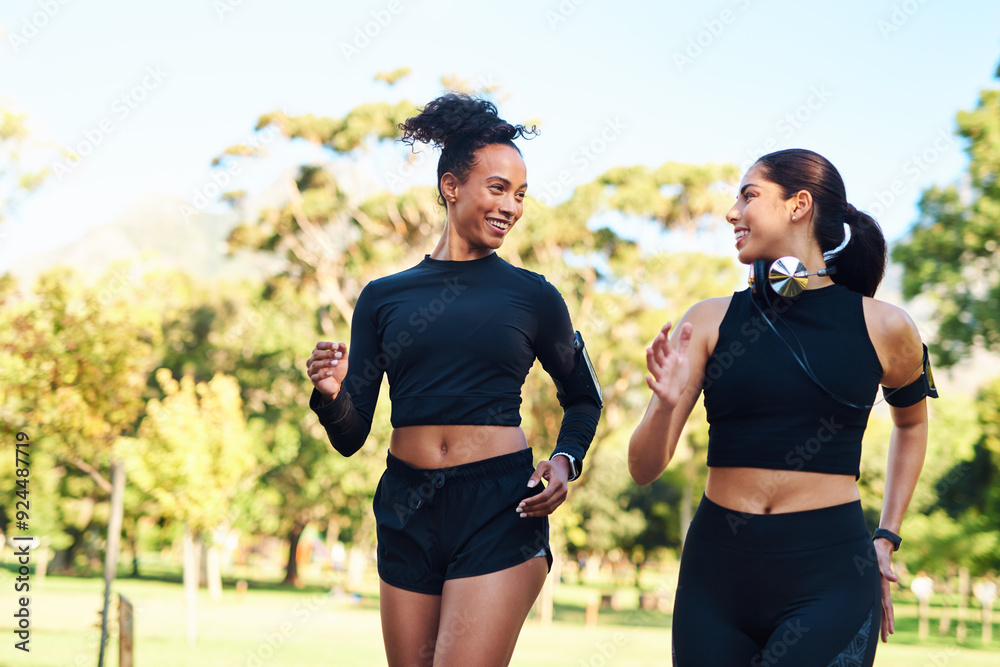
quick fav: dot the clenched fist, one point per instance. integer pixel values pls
(327, 368)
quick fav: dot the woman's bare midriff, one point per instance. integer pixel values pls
(762, 491)
(454, 445)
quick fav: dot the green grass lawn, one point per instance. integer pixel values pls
(273, 627)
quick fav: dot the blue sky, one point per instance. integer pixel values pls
(872, 85)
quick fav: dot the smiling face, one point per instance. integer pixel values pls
(761, 219)
(484, 208)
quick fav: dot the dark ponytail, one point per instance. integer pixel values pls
(860, 264)
(460, 125)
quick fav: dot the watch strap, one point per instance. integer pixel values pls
(887, 534)
(574, 466)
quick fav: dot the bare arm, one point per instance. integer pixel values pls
(676, 366)
(901, 353)
(897, 342)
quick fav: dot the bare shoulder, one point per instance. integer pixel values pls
(888, 322)
(708, 312)
(705, 318)
(896, 339)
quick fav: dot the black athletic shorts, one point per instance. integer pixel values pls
(798, 589)
(448, 523)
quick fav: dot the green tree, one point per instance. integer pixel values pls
(82, 355)
(950, 256)
(20, 157)
(192, 454)
(951, 252)
(75, 358)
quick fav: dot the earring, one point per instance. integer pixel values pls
(793, 217)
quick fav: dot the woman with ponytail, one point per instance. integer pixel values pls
(461, 511)
(778, 565)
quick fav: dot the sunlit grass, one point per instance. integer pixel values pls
(273, 626)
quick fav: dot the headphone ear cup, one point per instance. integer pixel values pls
(760, 281)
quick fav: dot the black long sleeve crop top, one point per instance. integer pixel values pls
(456, 340)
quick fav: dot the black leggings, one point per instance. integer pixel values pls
(799, 589)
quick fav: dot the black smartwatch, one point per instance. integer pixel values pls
(888, 535)
(574, 465)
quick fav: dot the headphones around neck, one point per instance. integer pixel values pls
(785, 276)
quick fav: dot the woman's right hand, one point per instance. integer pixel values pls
(327, 368)
(669, 368)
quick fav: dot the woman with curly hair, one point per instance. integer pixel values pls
(460, 511)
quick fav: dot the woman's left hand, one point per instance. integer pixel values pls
(883, 551)
(555, 472)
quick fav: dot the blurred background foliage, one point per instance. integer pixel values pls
(198, 382)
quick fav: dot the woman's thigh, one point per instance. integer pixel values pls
(481, 616)
(409, 626)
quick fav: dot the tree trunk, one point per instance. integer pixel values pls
(191, 569)
(944, 625)
(41, 560)
(963, 603)
(292, 567)
(199, 539)
(213, 572)
(133, 546)
(114, 542)
(987, 624)
(361, 548)
(64, 559)
(592, 569)
(924, 613)
(357, 563)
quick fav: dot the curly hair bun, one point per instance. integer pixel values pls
(459, 118)
(460, 125)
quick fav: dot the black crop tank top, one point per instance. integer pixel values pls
(763, 409)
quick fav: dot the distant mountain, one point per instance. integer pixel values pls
(167, 231)
(152, 230)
